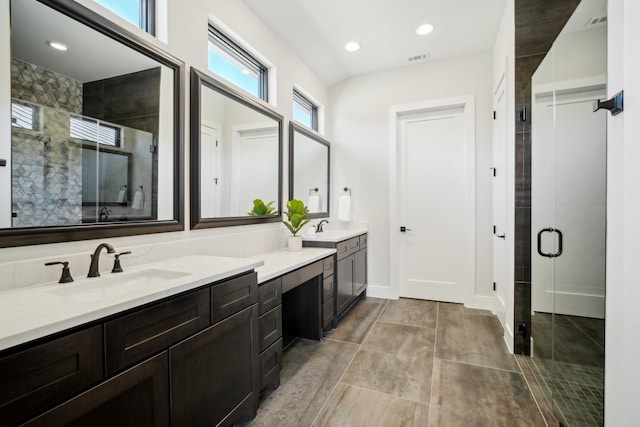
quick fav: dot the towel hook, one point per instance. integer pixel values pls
(347, 189)
(311, 190)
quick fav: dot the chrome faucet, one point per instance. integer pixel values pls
(319, 226)
(95, 258)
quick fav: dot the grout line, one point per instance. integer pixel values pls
(385, 393)
(433, 364)
(366, 335)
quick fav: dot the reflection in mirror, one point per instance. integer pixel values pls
(235, 155)
(95, 128)
(309, 169)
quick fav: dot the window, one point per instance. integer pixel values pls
(92, 130)
(140, 13)
(231, 62)
(304, 111)
(23, 116)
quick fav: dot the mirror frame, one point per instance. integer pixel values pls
(10, 237)
(293, 128)
(199, 79)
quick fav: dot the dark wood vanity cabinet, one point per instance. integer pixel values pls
(270, 333)
(43, 375)
(214, 374)
(137, 397)
(187, 360)
(350, 272)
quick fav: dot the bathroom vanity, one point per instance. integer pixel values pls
(350, 272)
(185, 342)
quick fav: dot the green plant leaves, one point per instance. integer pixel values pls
(296, 214)
(260, 209)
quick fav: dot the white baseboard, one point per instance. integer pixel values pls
(480, 302)
(381, 292)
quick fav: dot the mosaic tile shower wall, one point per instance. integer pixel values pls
(46, 165)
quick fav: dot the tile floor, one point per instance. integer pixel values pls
(402, 363)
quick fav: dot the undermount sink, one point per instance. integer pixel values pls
(116, 284)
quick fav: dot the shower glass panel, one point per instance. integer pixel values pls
(568, 161)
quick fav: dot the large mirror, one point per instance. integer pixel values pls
(96, 129)
(309, 169)
(236, 156)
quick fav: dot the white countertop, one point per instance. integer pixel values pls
(34, 312)
(280, 262)
(334, 236)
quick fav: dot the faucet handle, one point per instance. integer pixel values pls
(117, 268)
(66, 273)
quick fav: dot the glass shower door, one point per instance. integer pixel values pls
(568, 218)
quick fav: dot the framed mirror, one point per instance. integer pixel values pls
(309, 169)
(96, 129)
(236, 156)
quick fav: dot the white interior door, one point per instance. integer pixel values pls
(210, 173)
(500, 259)
(432, 179)
(568, 194)
(253, 147)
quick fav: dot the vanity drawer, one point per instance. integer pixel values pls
(269, 328)
(327, 313)
(327, 288)
(363, 241)
(328, 266)
(271, 364)
(347, 247)
(231, 296)
(301, 275)
(269, 295)
(44, 375)
(133, 337)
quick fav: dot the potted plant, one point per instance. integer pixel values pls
(260, 209)
(296, 214)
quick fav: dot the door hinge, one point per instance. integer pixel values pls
(216, 142)
(494, 286)
(494, 115)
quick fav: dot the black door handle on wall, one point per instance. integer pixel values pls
(560, 238)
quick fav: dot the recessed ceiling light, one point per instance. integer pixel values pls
(57, 45)
(352, 46)
(425, 29)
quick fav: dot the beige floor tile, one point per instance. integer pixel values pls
(357, 407)
(413, 312)
(465, 395)
(472, 338)
(311, 369)
(359, 321)
(395, 359)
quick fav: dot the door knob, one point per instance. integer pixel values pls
(404, 229)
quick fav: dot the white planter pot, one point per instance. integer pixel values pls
(295, 243)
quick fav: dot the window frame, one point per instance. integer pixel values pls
(304, 103)
(148, 14)
(242, 56)
(117, 141)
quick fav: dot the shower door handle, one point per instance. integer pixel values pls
(560, 238)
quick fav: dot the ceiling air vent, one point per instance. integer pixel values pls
(596, 21)
(421, 57)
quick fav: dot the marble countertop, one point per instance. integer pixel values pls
(280, 262)
(35, 312)
(334, 236)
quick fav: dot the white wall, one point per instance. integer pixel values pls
(623, 228)
(504, 62)
(187, 40)
(359, 123)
